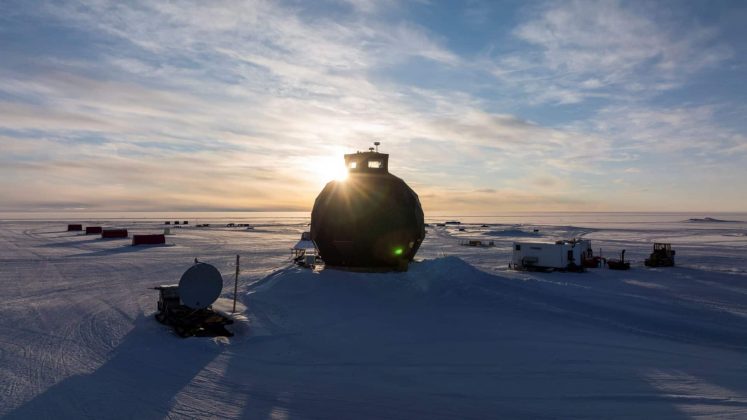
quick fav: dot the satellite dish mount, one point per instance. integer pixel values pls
(186, 307)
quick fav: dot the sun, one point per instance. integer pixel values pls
(330, 168)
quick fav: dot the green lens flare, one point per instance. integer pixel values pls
(398, 251)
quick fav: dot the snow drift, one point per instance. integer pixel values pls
(453, 341)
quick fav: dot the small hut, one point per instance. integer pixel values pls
(90, 230)
(74, 228)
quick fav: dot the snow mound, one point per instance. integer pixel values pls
(443, 278)
(710, 220)
(300, 300)
(459, 332)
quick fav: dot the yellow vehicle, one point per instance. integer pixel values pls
(663, 256)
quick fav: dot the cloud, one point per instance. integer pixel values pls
(456, 200)
(587, 49)
(194, 105)
(683, 132)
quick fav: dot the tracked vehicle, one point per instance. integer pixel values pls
(662, 256)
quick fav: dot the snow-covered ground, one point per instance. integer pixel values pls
(457, 336)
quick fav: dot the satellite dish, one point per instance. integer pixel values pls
(200, 286)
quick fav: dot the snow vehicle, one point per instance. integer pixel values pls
(621, 264)
(662, 256)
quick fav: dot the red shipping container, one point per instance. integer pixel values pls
(71, 228)
(114, 233)
(157, 239)
(93, 229)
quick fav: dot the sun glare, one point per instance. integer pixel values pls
(329, 169)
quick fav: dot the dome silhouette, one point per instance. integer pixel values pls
(371, 221)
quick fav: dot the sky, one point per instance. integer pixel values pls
(483, 106)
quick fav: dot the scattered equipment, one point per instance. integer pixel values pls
(475, 242)
(663, 256)
(621, 264)
(114, 233)
(74, 228)
(561, 255)
(373, 221)
(187, 307)
(93, 230)
(304, 253)
(588, 259)
(158, 239)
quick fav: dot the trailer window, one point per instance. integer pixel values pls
(518, 247)
(570, 255)
(374, 164)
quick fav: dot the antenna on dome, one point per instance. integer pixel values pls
(377, 144)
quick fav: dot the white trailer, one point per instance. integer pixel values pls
(560, 255)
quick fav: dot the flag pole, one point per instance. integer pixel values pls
(236, 284)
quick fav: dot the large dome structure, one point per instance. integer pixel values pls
(371, 221)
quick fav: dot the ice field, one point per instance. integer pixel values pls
(458, 336)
